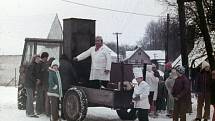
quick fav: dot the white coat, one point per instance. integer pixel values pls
(143, 91)
(101, 61)
(152, 81)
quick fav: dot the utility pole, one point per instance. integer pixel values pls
(167, 40)
(117, 44)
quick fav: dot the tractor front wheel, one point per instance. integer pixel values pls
(75, 105)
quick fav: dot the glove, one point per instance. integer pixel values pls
(55, 87)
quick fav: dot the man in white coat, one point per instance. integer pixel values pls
(153, 83)
(140, 96)
(100, 65)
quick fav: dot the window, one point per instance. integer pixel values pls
(136, 61)
(139, 53)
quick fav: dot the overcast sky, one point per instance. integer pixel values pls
(33, 18)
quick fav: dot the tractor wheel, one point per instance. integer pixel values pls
(21, 98)
(127, 114)
(75, 105)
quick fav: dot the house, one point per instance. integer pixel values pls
(156, 56)
(137, 56)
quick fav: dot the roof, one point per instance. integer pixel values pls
(129, 54)
(153, 54)
(56, 31)
(111, 51)
(156, 54)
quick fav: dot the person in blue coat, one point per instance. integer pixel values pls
(54, 89)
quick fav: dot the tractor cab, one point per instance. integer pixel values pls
(35, 46)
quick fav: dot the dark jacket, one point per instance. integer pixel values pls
(203, 82)
(44, 74)
(67, 73)
(212, 87)
(181, 88)
(213, 92)
(32, 74)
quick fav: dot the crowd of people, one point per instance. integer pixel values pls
(172, 93)
(43, 84)
(36, 83)
(153, 95)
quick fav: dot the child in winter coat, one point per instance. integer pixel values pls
(54, 89)
(140, 96)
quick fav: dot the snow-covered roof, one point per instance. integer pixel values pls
(198, 53)
(56, 31)
(129, 54)
(153, 54)
(111, 51)
(156, 54)
(113, 54)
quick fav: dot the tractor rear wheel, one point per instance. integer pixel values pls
(21, 97)
(75, 105)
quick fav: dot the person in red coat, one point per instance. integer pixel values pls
(180, 93)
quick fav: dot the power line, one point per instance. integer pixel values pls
(108, 9)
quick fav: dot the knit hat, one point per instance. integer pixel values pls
(137, 72)
(168, 65)
(205, 64)
(55, 62)
(180, 69)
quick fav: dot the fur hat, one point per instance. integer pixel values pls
(205, 64)
(180, 69)
(55, 62)
(137, 72)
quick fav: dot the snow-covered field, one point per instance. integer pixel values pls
(9, 111)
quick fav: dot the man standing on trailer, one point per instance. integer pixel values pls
(100, 65)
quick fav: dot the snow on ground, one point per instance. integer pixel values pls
(10, 112)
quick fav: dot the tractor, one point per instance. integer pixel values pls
(78, 36)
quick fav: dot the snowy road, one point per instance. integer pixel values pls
(9, 111)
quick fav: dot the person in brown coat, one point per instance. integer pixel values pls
(203, 92)
(180, 93)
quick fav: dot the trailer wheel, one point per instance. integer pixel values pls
(75, 105)
(21, 97)
(127, 114)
